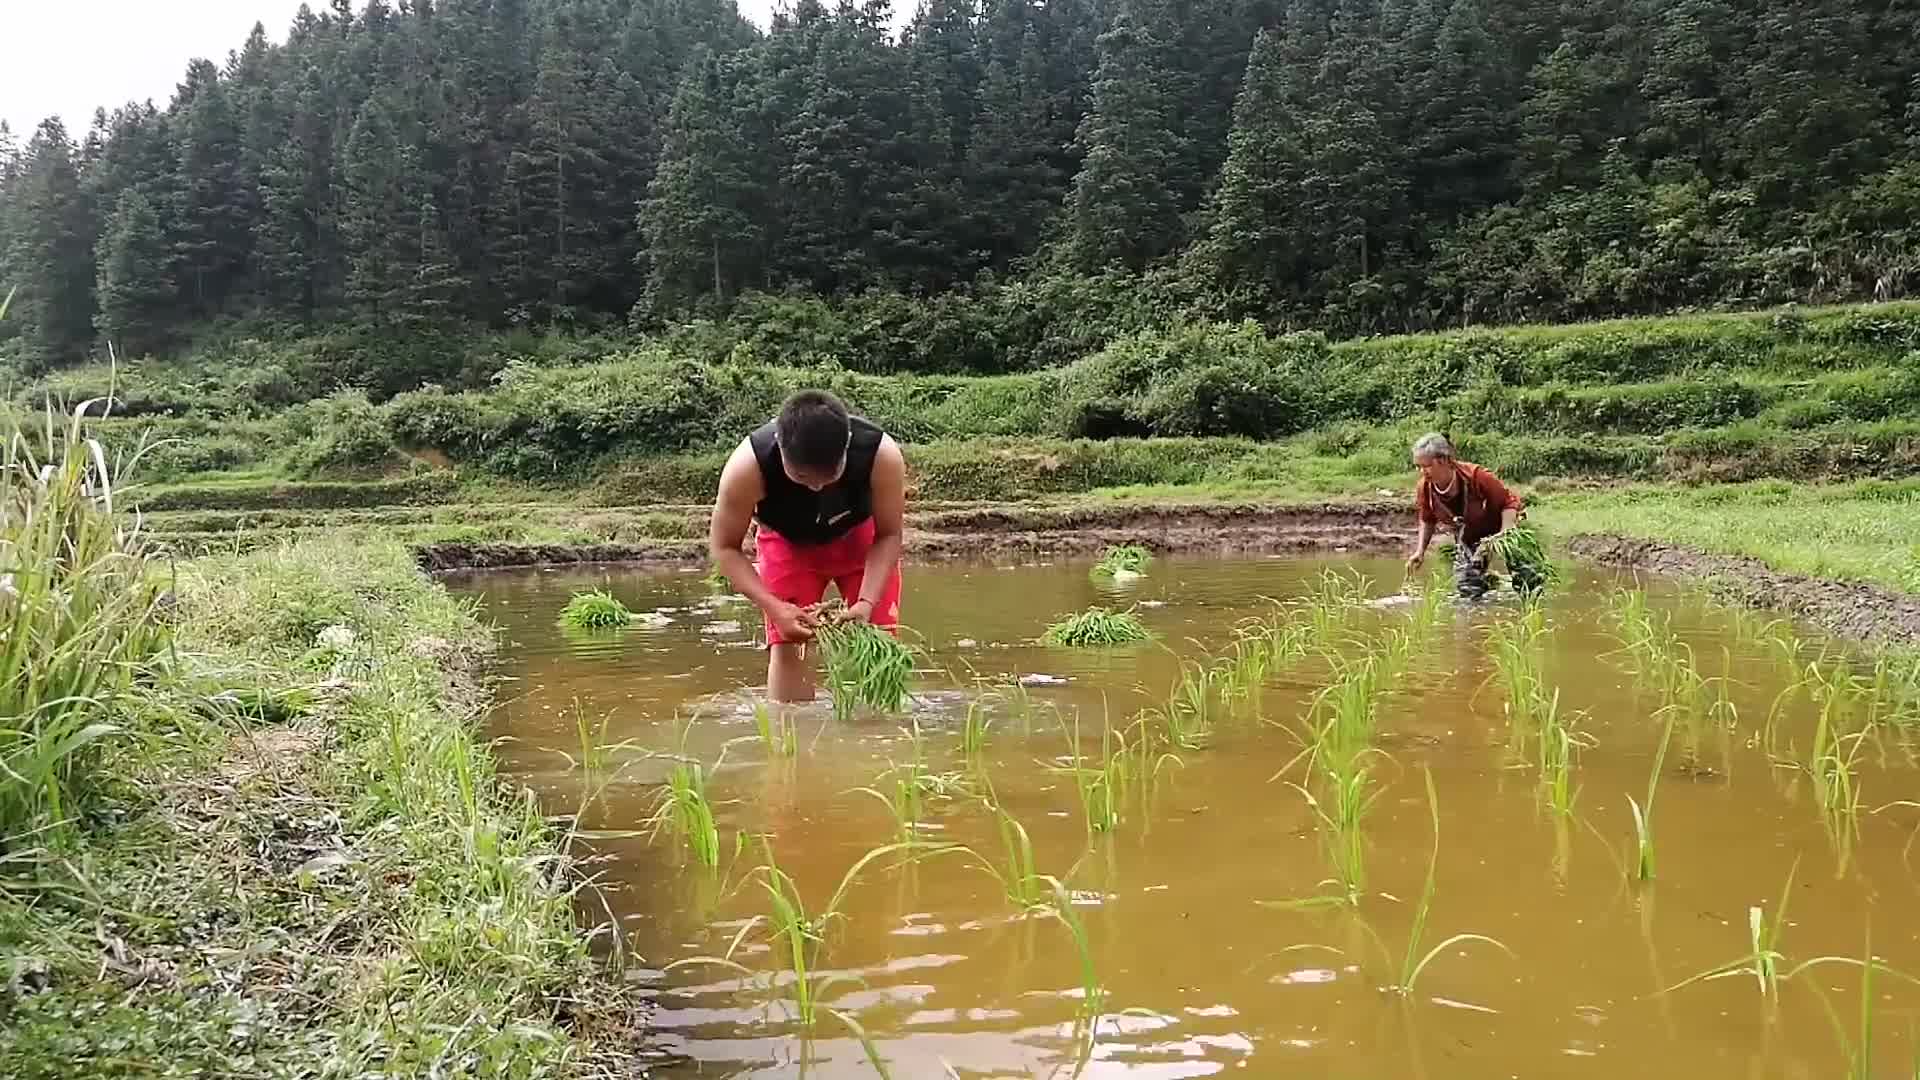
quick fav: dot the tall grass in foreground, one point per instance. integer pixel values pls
(79, 617)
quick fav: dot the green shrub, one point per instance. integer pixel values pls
(1196, 380)
(344, 435)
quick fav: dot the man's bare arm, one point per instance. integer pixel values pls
(889, 499)
(741, 489)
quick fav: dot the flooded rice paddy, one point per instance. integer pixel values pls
(1241, 875)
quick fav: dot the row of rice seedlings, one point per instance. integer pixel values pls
(1123, 560)
(596, 609)
(865, 667)
(1096, 627)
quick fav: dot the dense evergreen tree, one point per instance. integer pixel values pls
(1125, 207)
(1355, 164)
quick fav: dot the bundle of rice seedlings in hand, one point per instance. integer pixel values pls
(1525, 556)
(1097, 626)
(866, 666)
(1124, 560)
(595, 610)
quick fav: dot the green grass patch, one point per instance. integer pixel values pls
(1863, 531)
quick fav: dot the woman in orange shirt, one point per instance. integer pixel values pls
(1469, 501)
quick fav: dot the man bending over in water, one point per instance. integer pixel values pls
(1469, 501)
(830, 493)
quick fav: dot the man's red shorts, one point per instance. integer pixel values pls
(800, 573)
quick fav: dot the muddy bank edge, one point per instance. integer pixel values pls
(1012, 531)
(1846, 608)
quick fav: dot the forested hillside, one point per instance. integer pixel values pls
(1350, 165)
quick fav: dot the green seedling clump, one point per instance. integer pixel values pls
(1124, 559)
(1097, 626)
(595, 610)
(866, 667)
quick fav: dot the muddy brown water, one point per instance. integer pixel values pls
(1202, 974)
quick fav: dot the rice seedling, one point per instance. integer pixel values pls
(1123, 560)
(1643, 815)
(1188, 717)
(1101, 785)
(776, 730)
(1519, 651)
(1559, 750)
(683, 809)
(866, 667)
(1414, 962)
(79, 618)
(1241, 674)
(716, 580)
(799, 935)
(1856, 1040)
(1092, 993)
(594, 610)
(1340, 819)
(1097, 627)
(975, 730)
(1015, 870)
(1763, 959)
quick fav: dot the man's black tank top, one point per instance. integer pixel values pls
(808, 517)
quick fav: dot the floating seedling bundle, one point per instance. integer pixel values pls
(1097, 626)
(595, 610)
(1123, 561)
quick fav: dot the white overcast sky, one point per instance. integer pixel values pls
(66, 57)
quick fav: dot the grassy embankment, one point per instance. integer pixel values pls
(569, 446)
(247, 827)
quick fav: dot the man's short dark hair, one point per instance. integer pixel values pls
(813, 430)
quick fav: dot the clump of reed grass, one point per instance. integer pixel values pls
(596, 609)
(79, 617)
(1096, 627)
(867, 667)
(1123, 559)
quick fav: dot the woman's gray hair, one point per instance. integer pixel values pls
(1433, 445)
